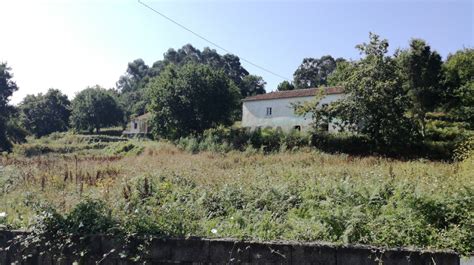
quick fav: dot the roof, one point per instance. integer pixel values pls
(145, 116)
(308, 92)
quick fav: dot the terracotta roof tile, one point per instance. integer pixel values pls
(295, 93)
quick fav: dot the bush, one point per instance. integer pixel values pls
(440, 130)
(36, 149)
(342, 143)
(224, 139)
(56, 233)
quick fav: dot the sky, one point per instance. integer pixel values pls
(70, 45)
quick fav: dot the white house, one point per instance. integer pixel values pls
(138, 126)
(275, 109)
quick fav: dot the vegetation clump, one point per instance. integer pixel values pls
(313, 196)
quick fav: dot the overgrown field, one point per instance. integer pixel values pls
(154, 187)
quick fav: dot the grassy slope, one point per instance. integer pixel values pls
(304, 195)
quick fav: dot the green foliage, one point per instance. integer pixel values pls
(225, 139)
(314, 72)
(71, 233)
(124, 148)
(15, 132)
(383, 213)
(404, 104)
(228, 63)
(421, 74)
(459, 70)
(94, 108)
(341, 73)
(166, 192)
(7, 87)
(66, 143)
(343, 143)
(285, 85)
(189, 99)
(132, 85)
(44, 114)
(375, 104)
(252, 85)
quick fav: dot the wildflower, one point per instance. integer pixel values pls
(214, 231)
(3, 214)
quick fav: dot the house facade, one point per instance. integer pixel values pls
(275, 109)
(138, 126)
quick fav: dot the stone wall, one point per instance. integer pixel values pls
(225, 251)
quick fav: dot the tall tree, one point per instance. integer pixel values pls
(7, 87)
(134, 78)
(229, 63)
(341, 74)
(43, 114)
(459, 81)
(191, 98)
(285, 85)
(376, 99)
(95, 108)
(131, 85)
(252, 85)
(15, 132)
(314, 72)
(375, 102)
(420, 70)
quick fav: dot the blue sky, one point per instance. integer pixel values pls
(73, 44)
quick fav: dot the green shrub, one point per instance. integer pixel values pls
(124, 148)
(342, 143)
(224, 139)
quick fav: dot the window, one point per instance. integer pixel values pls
(297, 128)
(135, 125)
(269, 111)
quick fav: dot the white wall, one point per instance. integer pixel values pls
(283, 116)
(467, 260)
(141, 127)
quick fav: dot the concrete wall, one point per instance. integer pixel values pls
(226, 251)
(283, 116)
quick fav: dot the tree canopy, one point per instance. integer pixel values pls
(314, 72)
(7, 87)
(132, 85)
(95, 108)
(375, 102)
(285, 85)
(421, 75)
(341, 73)
(191, 98)
(459, 83)
(43, 114)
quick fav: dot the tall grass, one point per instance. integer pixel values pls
(299, 194)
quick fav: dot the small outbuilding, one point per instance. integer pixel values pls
(138, 126)
(275, 109)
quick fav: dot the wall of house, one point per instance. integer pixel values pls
(140, 129)
(283, 116)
